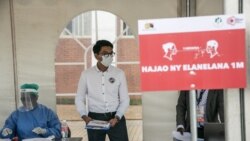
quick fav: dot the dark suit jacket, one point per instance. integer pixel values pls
(214, 106)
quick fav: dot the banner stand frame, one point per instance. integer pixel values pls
(192, 105)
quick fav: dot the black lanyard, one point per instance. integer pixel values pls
(198, 99)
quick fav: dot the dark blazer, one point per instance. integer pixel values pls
(214, 106)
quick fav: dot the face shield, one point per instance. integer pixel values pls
(29, 101)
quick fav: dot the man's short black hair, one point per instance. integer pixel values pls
(99, 44)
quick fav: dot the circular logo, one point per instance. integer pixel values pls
(111, 80)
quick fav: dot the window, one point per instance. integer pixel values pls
(125, 29)
(79, 26)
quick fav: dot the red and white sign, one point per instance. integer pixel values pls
(192, 53)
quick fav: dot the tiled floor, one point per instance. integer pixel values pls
(133, 116)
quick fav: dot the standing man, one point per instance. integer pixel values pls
(210, 104)
(106, 89)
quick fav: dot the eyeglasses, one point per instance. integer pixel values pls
(112, 54)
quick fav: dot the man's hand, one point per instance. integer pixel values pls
(39, 130)
(181, 130)
(86, 119)
(6, 131)
(113, 121)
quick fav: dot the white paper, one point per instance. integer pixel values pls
(178, 136)
(50, 138)
(185, 137)
(98, 124)
(37, 139)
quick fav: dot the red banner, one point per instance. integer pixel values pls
(192, 59)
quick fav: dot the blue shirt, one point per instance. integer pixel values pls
(22, 123)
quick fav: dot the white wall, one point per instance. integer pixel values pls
(159, 115)
(232, 105)
(7, 96)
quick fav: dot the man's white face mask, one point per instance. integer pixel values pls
(107, 60)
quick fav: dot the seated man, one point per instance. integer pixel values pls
(32, 120)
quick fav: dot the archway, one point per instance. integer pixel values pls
(74, 54)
